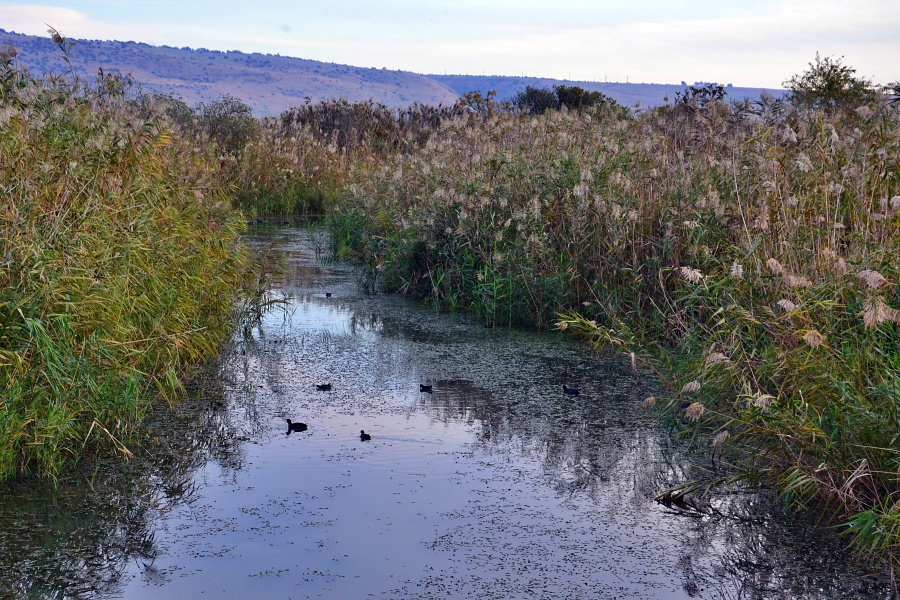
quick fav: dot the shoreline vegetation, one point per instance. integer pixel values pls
(120, 266)
(746, 251)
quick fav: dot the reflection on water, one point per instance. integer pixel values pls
(495, 485)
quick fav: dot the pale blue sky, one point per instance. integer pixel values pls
(747, 43)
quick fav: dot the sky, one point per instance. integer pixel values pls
(758, 43)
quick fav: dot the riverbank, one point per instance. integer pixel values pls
(121, 266)
(747, 251)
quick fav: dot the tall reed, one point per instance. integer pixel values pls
(119, 266)
(748, 251)
(751, 249)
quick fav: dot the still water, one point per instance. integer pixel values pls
(495, 485)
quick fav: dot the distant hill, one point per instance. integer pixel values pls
(627, 94)
(271, 83)
(267, 83)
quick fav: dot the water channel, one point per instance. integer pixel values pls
(494, 485)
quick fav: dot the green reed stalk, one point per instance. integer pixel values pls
(119, 268)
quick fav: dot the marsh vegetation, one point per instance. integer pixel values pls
(121, 266)
(746, 251)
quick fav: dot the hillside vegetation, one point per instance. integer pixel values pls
(269, 84)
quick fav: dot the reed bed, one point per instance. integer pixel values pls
(301, 162)
(120, 266)
(747, 251)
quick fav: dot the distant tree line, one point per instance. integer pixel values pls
(539, 100)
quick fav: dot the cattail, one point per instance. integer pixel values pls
(720, 437)
(737, 271)
(691, 386)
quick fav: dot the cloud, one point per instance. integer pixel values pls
(34, 19)
(747, 43)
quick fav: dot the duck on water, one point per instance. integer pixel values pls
(295, 427)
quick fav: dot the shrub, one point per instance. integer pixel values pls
(227, 122)
(829, 85)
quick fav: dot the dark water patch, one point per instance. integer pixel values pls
(494, 485)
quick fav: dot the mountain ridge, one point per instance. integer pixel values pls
(271, 83)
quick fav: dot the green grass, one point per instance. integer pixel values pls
(120, 267)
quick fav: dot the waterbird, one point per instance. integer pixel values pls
(570, 392)
(323, 387)
(363, 436)
(295, 427)
(328, 294)
(425, 388)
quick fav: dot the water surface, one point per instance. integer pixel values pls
(495, 485)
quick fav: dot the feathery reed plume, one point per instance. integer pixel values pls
(691, 275)
(775, 266)
(786, 305)
(813, 338)
(716, 357)
(694, 411)
(871, 280)
(690, 387)
(648, 402)
(876, 312)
